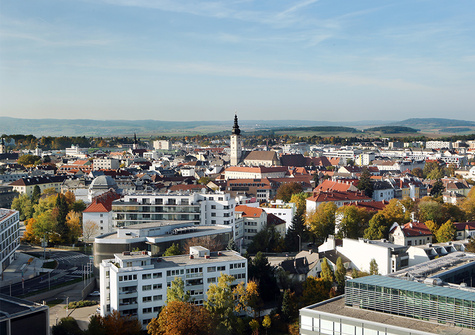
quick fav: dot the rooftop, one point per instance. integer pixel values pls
(337, 306)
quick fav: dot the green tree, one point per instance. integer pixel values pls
(340, 276)
(429, 167)
(378, 227)
(24, 206)
(353, 222)
(35, 197)
(314, 290)
(300, 200)
(322, 222)
(432, 210)
(289, 306)
(327, 273)
(262, 272)
(177, 292)
(173, 250)
(268, 239)
(295, 230)
(66, 326)
(221, 303)
(446, 232)
(364, 184)
(373, 267)
(418, 172)
(26, 160)
(437, 189)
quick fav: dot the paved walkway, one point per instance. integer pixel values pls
(24, 266)
(82, 314)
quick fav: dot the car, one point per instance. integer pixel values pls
(95, 294)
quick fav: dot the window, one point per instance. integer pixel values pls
(147, 299)
(213, 214)
(211, 268)
(157, 275)
(147, 310)
(221, 268)
(213, 206)
(212, 280)
(146, 287)
(157, 286)
(157, 297)
(147, 276)
(213, 221)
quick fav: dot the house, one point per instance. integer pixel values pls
(337, 197)
(411, 233)
(251, 220)
(262, 158)
(97, 217)
(465, 230)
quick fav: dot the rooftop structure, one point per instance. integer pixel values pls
(18, 316)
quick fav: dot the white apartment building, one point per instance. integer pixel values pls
(283, 210)
(105, 164)
(135, 284)
(9, 236)
(162, 145)
(198, 208)
(365, 159)
(438, 144)
(76, 151)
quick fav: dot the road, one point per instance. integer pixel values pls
(70, 266)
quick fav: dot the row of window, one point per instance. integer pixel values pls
(150, 275)
(152, 287)
(152, 298)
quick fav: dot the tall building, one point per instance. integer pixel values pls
(3, 148)
(135, 284)
(9, 236)
(236, 149)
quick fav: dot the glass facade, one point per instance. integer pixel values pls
(412, 299)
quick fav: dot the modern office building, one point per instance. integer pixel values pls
(135, 283)
(18, 316)
(436, 297)
(156, 237)
(9, 236)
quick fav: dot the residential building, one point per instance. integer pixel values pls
(283, 210)
(258, 172)
(338, 198)
(438, 145)
(197, 208)
(135, 283)
(105, 164)
(253, 221)
(9, 236)
(97, 217)
(162, 145)
(411, 233)
(262, 158)
(76, 151)
(465, 230)
(26, 185)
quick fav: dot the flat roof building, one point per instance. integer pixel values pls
(18, 316)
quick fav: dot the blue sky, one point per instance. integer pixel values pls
(333, 60)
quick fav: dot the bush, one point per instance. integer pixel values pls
(81, 303)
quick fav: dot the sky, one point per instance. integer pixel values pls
(190, 60)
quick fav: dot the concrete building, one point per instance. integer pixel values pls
(19, 316)
(156, 237)
(26, 185)
(9, 236)
(162, 145)
(285, 211)
(197, 208)
(135, 283)
(249, 221)
(76, 151)
(105, 164)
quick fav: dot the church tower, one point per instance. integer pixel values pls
(3, 147)
(236, 149)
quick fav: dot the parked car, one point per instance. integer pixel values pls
(95, 294)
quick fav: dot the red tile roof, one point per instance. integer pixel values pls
(334, 196)
(102, 203)
(249, 212)
(415, 229)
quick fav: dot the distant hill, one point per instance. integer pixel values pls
(86, 127)
(326, 129)
(433, 123)
(392, 129)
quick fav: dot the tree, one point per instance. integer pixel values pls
(373, 267)
(66, 326)
(429, 167)
(248, 298)
(322, 222)
(176, 291)
(364, 184)
(268, 239)
(95, 326)
(327, 273)
(429, 209)
(433, 227)
(378, 227)
(24, 206)
(26, 160)
(314, 290)
(289, 306)
(173, 250)
(285, 191)
(266, 323)
(221, 303)
(470, 247)
(353, 222)
(35, 196)
(73, 222)
(446, 232)
(181, 318)
(418, 172)
(262, 272)
(254, 324)
(90, 229)
(116, 324)
(295, 230)
(209, 242)
(340, 276)
(300, 200)
(437, 189)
